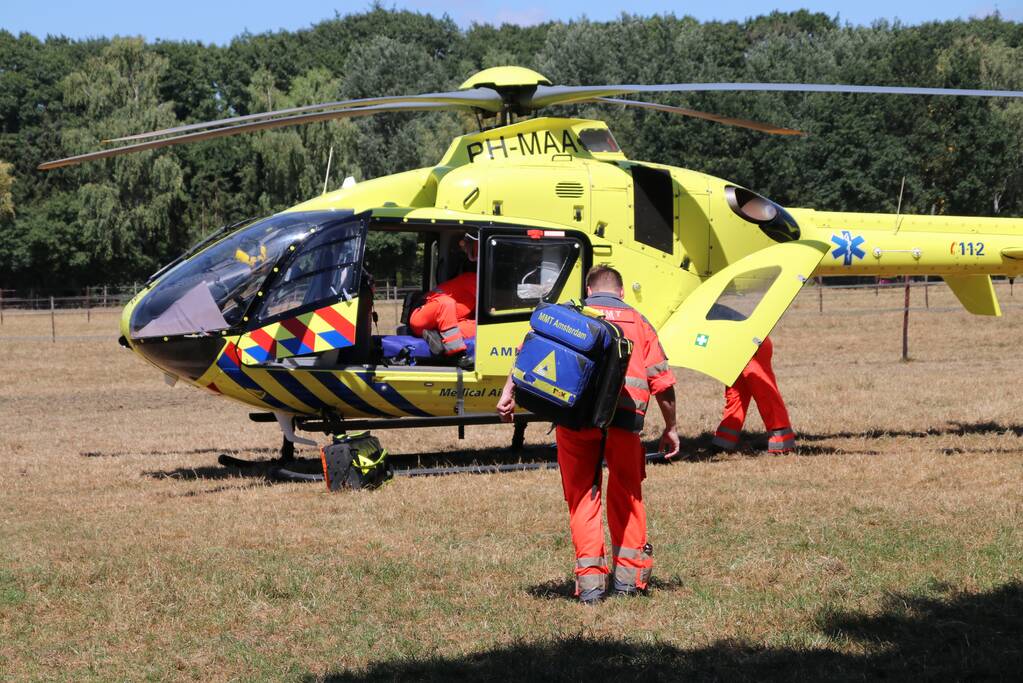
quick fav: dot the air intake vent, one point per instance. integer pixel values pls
(569, 190)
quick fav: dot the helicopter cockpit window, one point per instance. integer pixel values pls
(522, 272)
(213, 289)
(743, 294)
(325, 267)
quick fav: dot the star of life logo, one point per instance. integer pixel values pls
(847, 247)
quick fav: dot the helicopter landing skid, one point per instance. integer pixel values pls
(286, 456)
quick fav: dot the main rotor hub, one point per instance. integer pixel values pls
(515, 84)
(503, 78)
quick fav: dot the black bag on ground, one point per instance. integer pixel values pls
(354, 461)
(571, 367)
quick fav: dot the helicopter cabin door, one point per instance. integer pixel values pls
(722, 323)
(316, 301)
(520, 269)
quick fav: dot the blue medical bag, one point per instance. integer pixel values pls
(571, 366)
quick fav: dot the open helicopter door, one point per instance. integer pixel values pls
(719, 327)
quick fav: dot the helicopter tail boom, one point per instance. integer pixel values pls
(893, 245)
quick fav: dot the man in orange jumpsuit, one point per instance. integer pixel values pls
(580, 453)
(449, 309)
(756, 382)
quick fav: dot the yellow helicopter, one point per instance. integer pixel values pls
(278, 313)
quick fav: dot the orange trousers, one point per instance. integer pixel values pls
(579, 462)
(757, 382)
(442, 313)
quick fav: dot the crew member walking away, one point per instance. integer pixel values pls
(580, 453)
(450, 308)
(756, 382)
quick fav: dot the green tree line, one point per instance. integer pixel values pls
(118, 220)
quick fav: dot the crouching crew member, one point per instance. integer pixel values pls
(579, 454)
(450, 308)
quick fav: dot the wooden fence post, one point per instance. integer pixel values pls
(820, 294)
(88, 305)
(53, 322)
(905, 323)
(927, 291)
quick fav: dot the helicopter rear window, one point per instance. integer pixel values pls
(522, 272)
(598, 140)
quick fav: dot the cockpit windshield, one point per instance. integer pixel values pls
(212, 290)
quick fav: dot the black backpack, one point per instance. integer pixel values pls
(355, 461)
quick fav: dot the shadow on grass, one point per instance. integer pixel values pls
(701, 448)
(216, 489)
(975, 637)
(209, 472)
(564, 589)
(950, 429)
(194, 451)
(484, 457)
(697, 448)
(541, 453)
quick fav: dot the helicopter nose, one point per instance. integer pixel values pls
(187, 357)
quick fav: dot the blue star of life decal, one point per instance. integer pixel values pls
(848, 247)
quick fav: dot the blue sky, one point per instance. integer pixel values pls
(218, 22)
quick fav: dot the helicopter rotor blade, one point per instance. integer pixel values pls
(726, 120)
(547, 95)
(479, 98)
(248, 127)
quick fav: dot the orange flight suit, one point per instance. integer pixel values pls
(449, 309)
(757, 381)
(579, 459)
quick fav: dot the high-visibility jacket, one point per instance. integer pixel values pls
(648, 372)
(461, 288)
(449, 309)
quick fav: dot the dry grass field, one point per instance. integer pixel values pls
(889, 546)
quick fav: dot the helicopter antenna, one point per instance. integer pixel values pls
(898, 208)
(326, 177)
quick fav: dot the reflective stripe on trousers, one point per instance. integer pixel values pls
(781, 440)
(632, 568)
(452, 339)
(726, 438)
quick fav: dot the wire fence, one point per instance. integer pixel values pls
(118, 296)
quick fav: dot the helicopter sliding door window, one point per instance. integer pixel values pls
(324, 268)
(521, 272)
(654, 208)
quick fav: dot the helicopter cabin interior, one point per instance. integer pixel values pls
(516, 268)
